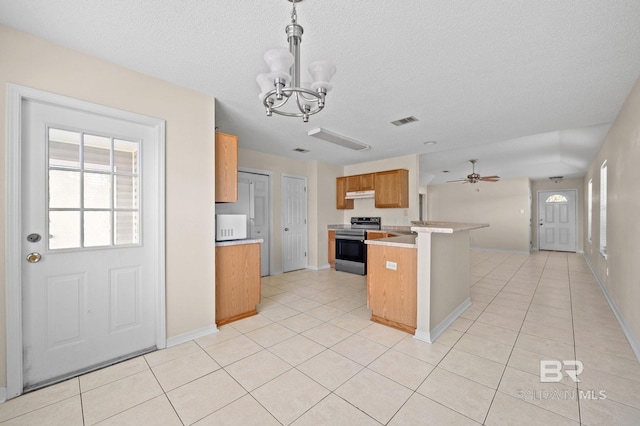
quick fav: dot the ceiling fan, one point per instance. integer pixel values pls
(475, 178)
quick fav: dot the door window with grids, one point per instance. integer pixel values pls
(94, 190)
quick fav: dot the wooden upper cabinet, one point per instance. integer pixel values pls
(226, 168)
(360, 182)
(341, 192)
(367, 182)
(353, 183)
(392, 189)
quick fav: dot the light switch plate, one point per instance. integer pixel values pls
(392, 265)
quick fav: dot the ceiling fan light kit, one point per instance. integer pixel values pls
(283, 84)
(475, 177)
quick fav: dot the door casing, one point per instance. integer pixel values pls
(283, 217)
(541, 197)
(16, 94)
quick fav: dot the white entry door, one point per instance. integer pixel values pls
(294, 223)
(557, 220)
(90, 241)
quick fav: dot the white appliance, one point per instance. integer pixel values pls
(231, 227)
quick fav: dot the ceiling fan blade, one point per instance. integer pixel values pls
(489, 180)
(490, 177)
(459, 180)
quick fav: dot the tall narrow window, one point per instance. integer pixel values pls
(603, 209)
(589, 209)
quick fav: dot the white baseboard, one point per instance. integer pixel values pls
(431, 337)
(500, 250)
(182, 338)
(317, 268)
(633, 341)
(3, 394)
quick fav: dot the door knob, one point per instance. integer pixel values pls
(34, 257)
(286, 229)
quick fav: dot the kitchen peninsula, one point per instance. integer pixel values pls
(237, 279)
(420, 282)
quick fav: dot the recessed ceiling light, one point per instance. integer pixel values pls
(430, 142)
(302, 150)
(445, 171)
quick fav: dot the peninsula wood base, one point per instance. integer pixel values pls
(236, 318)
(394, 324)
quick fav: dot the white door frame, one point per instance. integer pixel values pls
(270, 207)
(575, 220)
(13, 280)
(282, 204)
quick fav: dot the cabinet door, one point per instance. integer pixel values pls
(226, 152)
(332, 249)
(367, 182)
(237, 281)
(392, 189)
(353, 183)
(341, 192)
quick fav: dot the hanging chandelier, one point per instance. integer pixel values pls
(281, 90)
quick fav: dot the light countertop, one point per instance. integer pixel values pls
(407, 241)
(239, 242)
(445, 227)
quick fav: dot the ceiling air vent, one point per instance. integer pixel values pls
(302, 150)
(404, 121)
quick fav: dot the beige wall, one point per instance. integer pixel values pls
(39, 64)
(621, 150)
(325, 206)
(321, 201)
(365, 207)
(504, 205)
(548, 185)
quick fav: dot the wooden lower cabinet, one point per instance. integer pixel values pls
(375, 235)
(392, 293)
(332, 249)
(237, 281)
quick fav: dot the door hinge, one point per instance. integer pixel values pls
(305, 254)
(305, 189)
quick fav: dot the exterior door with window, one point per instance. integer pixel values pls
(557, 220)
(294, 223)
(89, 226)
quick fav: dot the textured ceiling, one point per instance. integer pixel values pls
(526, 87)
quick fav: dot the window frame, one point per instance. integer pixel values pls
(603, 208)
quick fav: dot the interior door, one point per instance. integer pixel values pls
(90, 241)
(253, 201)
(557, 220)
(294, 223)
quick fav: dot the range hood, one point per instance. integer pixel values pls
(353, 195)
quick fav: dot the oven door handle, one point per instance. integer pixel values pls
(350, 238)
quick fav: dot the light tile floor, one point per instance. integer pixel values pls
(312, 357)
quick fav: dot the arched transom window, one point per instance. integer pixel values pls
(556, 198)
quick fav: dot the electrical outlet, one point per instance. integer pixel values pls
(392, 265)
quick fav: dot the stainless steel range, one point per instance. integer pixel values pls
(351, 251)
